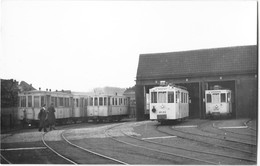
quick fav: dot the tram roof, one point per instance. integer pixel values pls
(226, 60)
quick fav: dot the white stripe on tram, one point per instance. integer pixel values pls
(159, 137)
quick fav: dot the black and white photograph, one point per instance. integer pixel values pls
(131, 82)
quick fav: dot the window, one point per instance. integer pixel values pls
(81, 102)
(223, 97)
(60, 101)
(170, 97)
(86, 102)
(91, 101)
(229, 97)
(115, 101)
(56, 102)
(101, 101)
(108, 101)
(77, 102)
(208, 98)
(42, 100)
(177, 97)
(154, 97)
(52, 100)
(161, 97)
(215, 98)
(96, 101)
(36, 101)
(23, 101)
(105, 101)
(182, 101)
(29, 101)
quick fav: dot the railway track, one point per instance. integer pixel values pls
(200, 161)
(217, 136)
(100, 159)
(200, 139)
(199, 152)
(224, 133)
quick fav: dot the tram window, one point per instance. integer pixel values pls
(170, 97)
(101, 101)
(95, 101)
(29, 101)
(154, 97)
(228, 97)
(161, 97)
(23, 101)
(86, 102)
(60, 101)
(81, 102)
(177, 97)
(36, 101)
(105, 101)
(115, 101)
(77, 102)
(68, 102)
(56, 102)
(215, 98)
(91, 101)
(209, 98)
(223, 97)
(42, 100)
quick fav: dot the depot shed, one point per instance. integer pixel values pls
(234, 68)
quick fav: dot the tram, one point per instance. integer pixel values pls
(169, 102)
(218, 102)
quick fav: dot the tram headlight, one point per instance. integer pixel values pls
(153, 110)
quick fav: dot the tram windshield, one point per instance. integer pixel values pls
(161, 97)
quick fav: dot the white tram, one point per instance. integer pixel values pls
(31, 102)
(218, 102)
(107, 107)
(168, 103)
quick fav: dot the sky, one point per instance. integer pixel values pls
(80, 45)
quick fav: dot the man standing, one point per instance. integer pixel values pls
(51, 117)
(42, 116)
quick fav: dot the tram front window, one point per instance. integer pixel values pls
(215, 98)
(161, 97)
(170, 97)
(223, 97)
(208, 98)
(154, 97)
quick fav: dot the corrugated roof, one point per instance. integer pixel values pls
(227, 60)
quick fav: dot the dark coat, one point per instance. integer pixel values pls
(42, 116)
(51, 115)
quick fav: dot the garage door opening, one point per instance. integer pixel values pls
(194, 106)
(226, 85)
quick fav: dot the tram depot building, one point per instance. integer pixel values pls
(234, 68)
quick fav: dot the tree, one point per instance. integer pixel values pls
(9, 93)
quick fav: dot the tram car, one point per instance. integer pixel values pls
(107, 107)
(79, 107)
(168, 103)
(30, 103)
(218, 103)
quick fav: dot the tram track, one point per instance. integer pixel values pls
(159, 151)
(99, 158)
(217, 137)
(225, 131)
(193, 150)
(187, 136)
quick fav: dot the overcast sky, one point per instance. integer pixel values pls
(80, 45)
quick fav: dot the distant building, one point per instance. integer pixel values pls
(234, 68)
